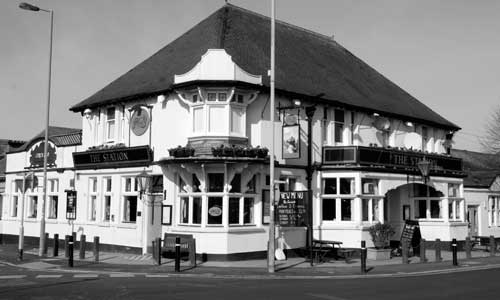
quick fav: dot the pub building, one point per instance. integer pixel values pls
(195, 117)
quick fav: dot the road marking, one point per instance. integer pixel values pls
(12, 276)
(118, 275)
(49, 276)
(86, 275)
(157, 275)
(323, 296)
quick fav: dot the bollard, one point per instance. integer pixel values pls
(454, 251)
(492, 245)
(177, 254)
(363, 257)
(438, 250)
(70, 250)
(157, 244)
(96, 248)
(56, 245)
(66, 246)
(46, 244)
(83, 240)
(404, 252)
(468, 248)
(74, 240)
(422, 251)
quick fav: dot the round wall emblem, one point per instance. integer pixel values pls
(215, 211)
(139, 123)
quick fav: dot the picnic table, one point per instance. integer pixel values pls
(321, 248)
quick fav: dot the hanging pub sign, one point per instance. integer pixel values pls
(37, 155)
(291, 210)
(140, 120)
(291, 141)
(70, 204)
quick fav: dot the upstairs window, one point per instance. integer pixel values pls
(339, 126)
(110, 124)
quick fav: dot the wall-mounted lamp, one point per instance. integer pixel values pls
(376, 115)
(87, 113)
(161, 98)
(409, 124)
(297, 102)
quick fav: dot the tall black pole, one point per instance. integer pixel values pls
(309, 114)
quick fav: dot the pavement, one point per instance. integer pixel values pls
(124, 264)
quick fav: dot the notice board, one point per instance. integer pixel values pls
(411, 234)
(292, 208)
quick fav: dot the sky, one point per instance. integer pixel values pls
(446, 53)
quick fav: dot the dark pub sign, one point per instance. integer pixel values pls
(112, 158)
(70, 204)
(291, 210)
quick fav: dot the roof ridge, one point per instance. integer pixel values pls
(317, 34)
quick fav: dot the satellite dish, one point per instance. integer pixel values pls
(413, 140)
(382, 123)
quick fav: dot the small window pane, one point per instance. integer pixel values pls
(196, 184)
(329, 209)
(185, 210)
(128, 184)
(346, 186)
(222, 97)
(365, 205)
(330, 186)
(250, 188)
(110, 113)
(436, 209)
(130, 208)
(248, 211)
(421, 209)
(215, 182)
(53, 207)
(236, 184)
(212, 96)
(215, 210)
(234, 210)
(369, 186)
(93, 208)
(346, 209)
(107, 208)
(196, 210)
(108, 184)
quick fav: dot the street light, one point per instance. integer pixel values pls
(425, 167)
(144, 181)
(30, 7)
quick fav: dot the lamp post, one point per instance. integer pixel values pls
(144, 181)
(30, 7)
(424, 167)
(270, 247)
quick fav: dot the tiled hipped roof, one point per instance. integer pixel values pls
(481, 168)
(60, 136)
(307, 64)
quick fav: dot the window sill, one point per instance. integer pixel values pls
(127, 225)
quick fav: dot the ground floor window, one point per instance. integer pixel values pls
(370, 209)
(428, 209)
(334, 209)
(130, 213)
(107, 208)
(241, 210)
(93, 208)
(33, 206)
(15, 203)
(454, 211)
(493, 211)
(53, 200)
(214, 211)
(191, 210)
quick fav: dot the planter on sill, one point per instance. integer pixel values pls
(378, 254)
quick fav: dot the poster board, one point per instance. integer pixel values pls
(291, 210)
(411, 235)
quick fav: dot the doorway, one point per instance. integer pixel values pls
(472, 219)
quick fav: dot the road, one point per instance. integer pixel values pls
(22, 284)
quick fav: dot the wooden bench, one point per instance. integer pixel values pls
(187, 244)
(321, 248)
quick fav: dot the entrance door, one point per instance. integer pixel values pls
(472, 218)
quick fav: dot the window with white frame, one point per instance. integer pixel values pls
(17, 194)
(92, 199)
(32, 206)
(110, 124)
(428, 208)
(240, 200)
(454, 202)
(107, 197)
(338, 127)
(371, 202)
(53, 194)
(493, 211)
(129, 194)
(338, 199)
(217, 115)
